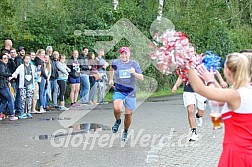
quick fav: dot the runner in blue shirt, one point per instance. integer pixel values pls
(123, 75)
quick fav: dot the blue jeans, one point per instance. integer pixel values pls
(93, 88)
(18, 107)
(55, 90)
(6, 98)
(85, 87)
(42, 97)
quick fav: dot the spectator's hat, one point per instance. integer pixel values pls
(21, 48)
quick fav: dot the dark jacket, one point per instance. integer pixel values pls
(11, 65)
(38, 62)
(4, 75)
(83, 63)
(18, 60)
(54, 70)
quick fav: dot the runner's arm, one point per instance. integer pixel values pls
(111, 76)
(223, 84)
(137, 75)
(177, 84)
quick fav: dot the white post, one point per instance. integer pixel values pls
(115, 4)
(160, 9)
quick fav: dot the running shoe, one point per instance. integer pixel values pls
(41, 110)
(2, 115)
(124, 136)
(63, 108)
(29, 115)
(194, 137)
(22, 116)
(116, 126)
(13, 118)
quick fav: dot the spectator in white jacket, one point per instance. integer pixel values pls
(26, 74)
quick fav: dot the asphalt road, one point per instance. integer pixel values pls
(159, 136)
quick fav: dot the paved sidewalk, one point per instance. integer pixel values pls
(29, 142)
(178, 151)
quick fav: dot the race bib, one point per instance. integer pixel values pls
(124, 74)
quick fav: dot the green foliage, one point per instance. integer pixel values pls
(217, 25)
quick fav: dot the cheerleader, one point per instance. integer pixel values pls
(237, 109)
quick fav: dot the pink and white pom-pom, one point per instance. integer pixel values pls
(173, 53)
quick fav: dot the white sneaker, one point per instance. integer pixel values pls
(13, 118)
(42, 110)
(194, 137)
(199, 121)
(63, 108)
